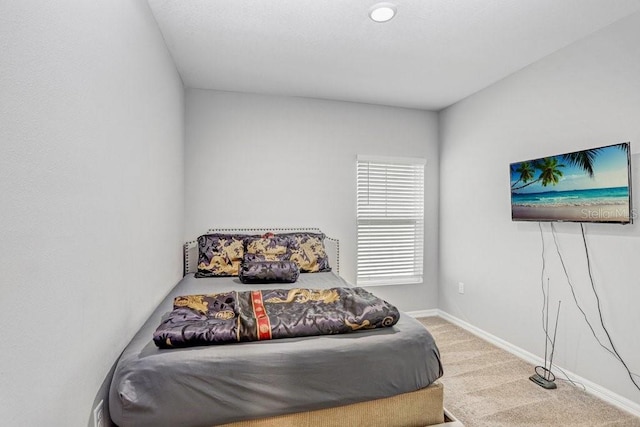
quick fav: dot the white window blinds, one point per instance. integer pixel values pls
(390, 217)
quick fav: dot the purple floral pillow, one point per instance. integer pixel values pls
(269, 272)
(220, 254)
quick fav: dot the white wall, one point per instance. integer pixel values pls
(273, 161)
(91, 211)
(585, 95)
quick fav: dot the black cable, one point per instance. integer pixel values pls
(567, 378)
(545, 318)
(544, 293)
(586, 250)
(614, 353)
(573, 292)
(576, 384)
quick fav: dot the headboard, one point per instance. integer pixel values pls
(190, 249)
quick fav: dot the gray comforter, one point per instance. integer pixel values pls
(204, 386)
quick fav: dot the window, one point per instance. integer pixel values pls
(390, 217)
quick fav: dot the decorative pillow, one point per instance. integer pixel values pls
(267, 248)
(307, 250)
(269, 272)
(220, 254)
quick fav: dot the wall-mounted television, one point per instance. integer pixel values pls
(592, 185)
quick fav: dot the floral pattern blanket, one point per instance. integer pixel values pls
(241, 316)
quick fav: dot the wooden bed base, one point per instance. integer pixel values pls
(420, 408)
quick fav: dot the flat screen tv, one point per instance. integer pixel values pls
(592, 185)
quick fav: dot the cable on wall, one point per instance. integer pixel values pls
(606, 331)
(544, 323)
(544, 293)
(613, 352)
(573, 292)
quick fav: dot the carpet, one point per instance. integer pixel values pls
(485, 386)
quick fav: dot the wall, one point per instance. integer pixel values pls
(91, 180)
(583, 96)
(275, 162)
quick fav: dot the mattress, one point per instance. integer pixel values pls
(205, 386)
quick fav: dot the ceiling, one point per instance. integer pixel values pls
(431, 55)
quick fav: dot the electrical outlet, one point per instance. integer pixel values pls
(98, 415)
(460, 288)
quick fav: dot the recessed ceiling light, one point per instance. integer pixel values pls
(382, 12)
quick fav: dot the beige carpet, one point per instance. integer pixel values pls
(487, 386)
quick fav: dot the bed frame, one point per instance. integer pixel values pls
(421, 408)
(416, 409)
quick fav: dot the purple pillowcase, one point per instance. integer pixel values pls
(308, 251)
(269, 272)
(267, 248)
(220, 254)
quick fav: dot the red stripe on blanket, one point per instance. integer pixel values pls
(262, 320)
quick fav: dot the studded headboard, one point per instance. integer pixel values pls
(190, 249)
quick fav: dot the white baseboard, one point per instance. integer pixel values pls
(591, 387)
(424, 313)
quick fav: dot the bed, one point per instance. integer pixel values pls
(384, 377)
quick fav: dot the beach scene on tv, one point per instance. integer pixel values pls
(584, 186)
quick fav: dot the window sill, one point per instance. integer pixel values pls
(390, 282)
